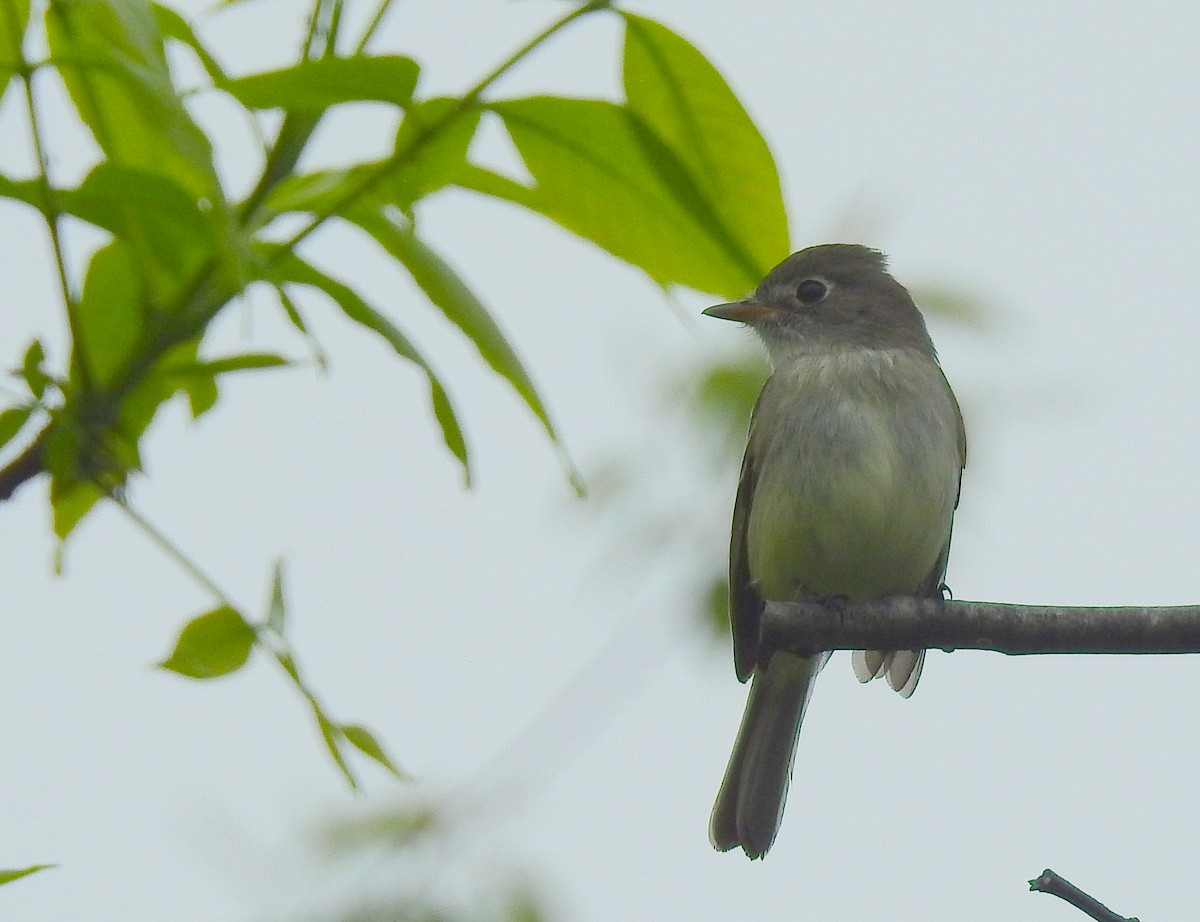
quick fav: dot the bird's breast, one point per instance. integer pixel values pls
(857, 464)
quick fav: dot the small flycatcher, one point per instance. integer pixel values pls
(848, 490)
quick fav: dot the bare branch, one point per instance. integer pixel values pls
(1051, 883)
(906, 623)
(25, 466)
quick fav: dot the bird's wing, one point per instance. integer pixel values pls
(745, 603)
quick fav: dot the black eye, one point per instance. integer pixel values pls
(810, 291)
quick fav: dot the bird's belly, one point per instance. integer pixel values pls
(858, 508)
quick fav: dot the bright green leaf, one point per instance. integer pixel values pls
(439, 156)
(598, 173)
(110, 55)
(202, 395)
(14, 17)
(450, 294)
(13, 419)
(314, 85)
(156, 216)
(174, 26)
(210, 368)
(111, 312)
(364, 741)
(28, 191)
(7, 876)
(688, 107)
(213, 644)
(31, 368)
(293, 269)
(333, 736)
(71, 500)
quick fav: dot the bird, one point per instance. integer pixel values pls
(848, 488)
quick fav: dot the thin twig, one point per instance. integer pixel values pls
(173, 551)
(1051, 883)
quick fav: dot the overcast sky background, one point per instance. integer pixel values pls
(1042, 157)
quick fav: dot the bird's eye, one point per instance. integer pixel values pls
(811, 291)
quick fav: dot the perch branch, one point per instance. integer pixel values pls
(907, 623)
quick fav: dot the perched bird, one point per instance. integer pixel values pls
(848, 490)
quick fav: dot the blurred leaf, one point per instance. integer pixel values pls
(151, 212)
(439, 159)
(249, 361)
(715, 607)
(726, 392)
(31, 369)
(364, 741)
(7, 876)
(449, 292)
(316, 84)
(110, 55)
(111, 313)
(14, 17)
(599, 174)
(392, 827)
(437, 162)
(213, 644)
(202, 394)
(276, 609)
(71, 500)
(294, 269)
(524, 906)
(953, 304)
(13, 420)
(174, 26)
(673, 90)
(28, 191)
(333, 736)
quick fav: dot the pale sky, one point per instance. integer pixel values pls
(1041, 157)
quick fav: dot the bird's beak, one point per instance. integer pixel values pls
(747, 311)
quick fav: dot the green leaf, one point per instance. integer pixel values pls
(599, 173)
(333, 736)
(174, 26)
(13, 420)
(276, 608)
(295, 270)
(438, 160)
(14, 17)
(157, 217)
(688, 107)
(7, 876)
(315, 85)
(364, 741)
(71, 500)
(213, 644)
(28, 191)
(31, 367)
(111, 313)
(450, 293)
(110, 55)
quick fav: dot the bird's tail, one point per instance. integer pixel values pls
(750, 803)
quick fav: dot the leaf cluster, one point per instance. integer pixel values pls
(674, 179)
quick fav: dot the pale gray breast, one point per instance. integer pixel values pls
(858, 462)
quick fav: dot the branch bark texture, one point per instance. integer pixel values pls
(906, 623)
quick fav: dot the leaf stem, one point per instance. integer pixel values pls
(172, 550)
(424, 134)
(53, 215)
(373, 26)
